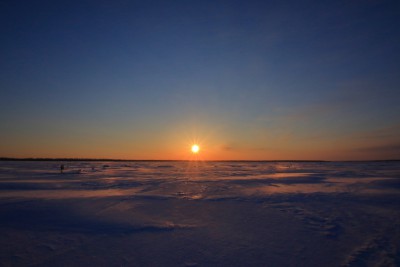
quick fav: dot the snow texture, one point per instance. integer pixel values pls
(200, 213)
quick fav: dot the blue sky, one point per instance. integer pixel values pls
(248, 79)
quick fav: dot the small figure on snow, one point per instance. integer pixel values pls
(62, 168)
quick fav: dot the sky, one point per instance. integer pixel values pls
(246, 80)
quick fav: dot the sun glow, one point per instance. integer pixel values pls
(195, 149)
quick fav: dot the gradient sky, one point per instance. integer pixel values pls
(254, 80)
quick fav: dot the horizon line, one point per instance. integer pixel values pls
(170, 160)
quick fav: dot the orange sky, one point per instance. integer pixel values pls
(216, 143)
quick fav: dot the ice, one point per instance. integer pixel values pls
(149, 213)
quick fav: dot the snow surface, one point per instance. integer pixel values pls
(200, 214)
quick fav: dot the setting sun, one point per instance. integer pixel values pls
(195, 149)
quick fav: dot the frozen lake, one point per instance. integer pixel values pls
(142, 213)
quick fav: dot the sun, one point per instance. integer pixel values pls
(195, 149)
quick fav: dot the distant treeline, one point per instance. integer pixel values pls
(91, 159)
(63, 159)
(125, 160)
